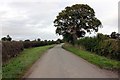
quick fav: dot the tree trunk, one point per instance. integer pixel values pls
(74, 39)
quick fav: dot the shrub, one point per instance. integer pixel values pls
(102, 46)
(88, 43)
(11, 49)
(29, 44)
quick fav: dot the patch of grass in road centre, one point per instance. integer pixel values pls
(17, 66)
(100, 61)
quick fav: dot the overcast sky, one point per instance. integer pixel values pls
(32, 19)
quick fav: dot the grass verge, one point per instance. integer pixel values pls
(17, 66)
(100, 61)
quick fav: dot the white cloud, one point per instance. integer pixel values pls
(34, 18)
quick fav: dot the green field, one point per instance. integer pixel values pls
(17, 66)
(100, 61)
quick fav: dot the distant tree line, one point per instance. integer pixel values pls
(8, 38)
(11, 48)
(115, 35)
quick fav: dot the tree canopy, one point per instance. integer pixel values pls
(73, 22)
(8, 38)
(115, 35)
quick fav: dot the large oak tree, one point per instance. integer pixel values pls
(73, 22)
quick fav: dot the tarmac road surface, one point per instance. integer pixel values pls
(59, 63)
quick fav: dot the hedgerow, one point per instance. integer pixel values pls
(11, 49)
(101, 45)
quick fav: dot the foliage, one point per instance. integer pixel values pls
(29, 44)
(27, 40)
(100, 61)
(115, 35)
(38, 39)
(18, 65)
(10, 49)
(8, 38)
(59, 41)
(73, 22)
(13, 48)
(101, 45)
